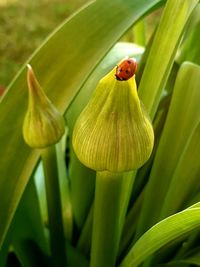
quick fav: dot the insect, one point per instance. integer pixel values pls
(126, 69)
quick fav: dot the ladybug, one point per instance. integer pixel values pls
(126, 69)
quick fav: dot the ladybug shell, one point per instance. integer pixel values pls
(126, 69)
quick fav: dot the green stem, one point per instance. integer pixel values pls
(66, 204)
(112, 192)
(57, 240)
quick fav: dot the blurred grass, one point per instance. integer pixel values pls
(24, 25)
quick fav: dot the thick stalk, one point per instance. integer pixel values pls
(109, 208)
(66, 204)
(57, 241)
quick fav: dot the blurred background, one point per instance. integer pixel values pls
(24, 25)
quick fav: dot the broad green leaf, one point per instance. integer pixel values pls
(185, 180)
(195, 204)
(182, 119)
(139, 33)
(62, 65)
(190, 48)
(162, 53)
(161, 234)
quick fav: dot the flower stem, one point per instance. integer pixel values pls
(57, 240)
(109, 209)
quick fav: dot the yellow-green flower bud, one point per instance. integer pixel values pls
(113, 132)
(43, 123)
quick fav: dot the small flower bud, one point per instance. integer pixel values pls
(43, 124)
(113, 132)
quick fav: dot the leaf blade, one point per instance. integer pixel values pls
(153, 80)
(161, 234)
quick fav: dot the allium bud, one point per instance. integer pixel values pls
(43, 123)
(114, 132)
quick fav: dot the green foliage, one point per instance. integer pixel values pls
(159, 228)
(161, 234)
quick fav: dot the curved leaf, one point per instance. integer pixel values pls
(161, 234)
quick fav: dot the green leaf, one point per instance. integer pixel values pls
(62, 65)
(166, 41)
(185, 180)
(27, 230)
(161, 234)
(4, 250)
(190, 48)
(139, 33)
(75, 258)
(193, 259)
(178, 129)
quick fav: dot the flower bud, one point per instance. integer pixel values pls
(43, 124)
(113, 132)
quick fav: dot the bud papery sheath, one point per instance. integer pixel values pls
(113, 132)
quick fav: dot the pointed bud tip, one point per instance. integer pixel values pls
(32, 82)
(28, 66)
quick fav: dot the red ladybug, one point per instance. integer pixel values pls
(126, 69)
